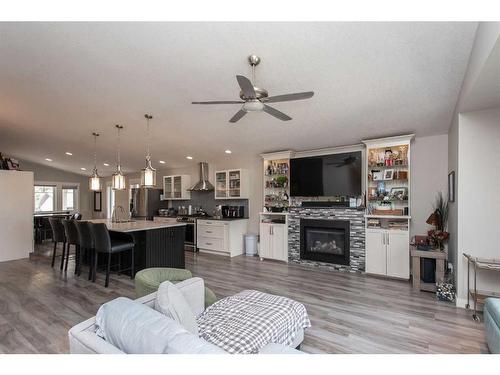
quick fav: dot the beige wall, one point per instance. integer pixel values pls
(478, 198)
(429, 175)
(48, 174)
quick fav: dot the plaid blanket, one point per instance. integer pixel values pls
(249, 320)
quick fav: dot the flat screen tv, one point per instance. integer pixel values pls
(326, 175)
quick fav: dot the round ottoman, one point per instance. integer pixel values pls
(148, 280)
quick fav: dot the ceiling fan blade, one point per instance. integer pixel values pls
(274, 112)
(246, 86)
(220, 102)
(238, 115)
(289, 97)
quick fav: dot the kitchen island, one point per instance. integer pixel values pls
(157, 244)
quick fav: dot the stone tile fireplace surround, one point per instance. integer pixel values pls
(357, 235)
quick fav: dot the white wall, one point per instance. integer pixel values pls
(47, 174)
(429, 174)
(479, 198)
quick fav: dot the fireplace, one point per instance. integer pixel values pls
(325, 240)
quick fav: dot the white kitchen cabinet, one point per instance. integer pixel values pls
(222, 237)
(176, 187)
(376, 253)
(231, 184)
(388, 253)
(273, 241)
(398, 254)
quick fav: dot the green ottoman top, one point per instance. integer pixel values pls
(149, 279)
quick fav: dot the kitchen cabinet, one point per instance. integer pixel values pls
(176, 187)
(387, 253)
(222, 237)
(273, 240)
(231, 184)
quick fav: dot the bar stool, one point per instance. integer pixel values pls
(86, 244)
(72, 239)
(57, 236)
(104, 244)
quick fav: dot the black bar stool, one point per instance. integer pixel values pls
(57, 236)
(72, 239)
(104, 244)
(86, 244)
(76, 216)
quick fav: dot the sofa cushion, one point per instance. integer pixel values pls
(135, 328)
(171, 302)
(492, 305)
(138, 329)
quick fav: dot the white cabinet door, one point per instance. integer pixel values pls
(376, 252)
(277, 239)
(398, 255)
(266, 250)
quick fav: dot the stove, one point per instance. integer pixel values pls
(190, 220)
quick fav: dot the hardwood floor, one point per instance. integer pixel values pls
(349, 313)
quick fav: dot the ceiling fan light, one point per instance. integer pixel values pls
(148, 175)
(253, 106)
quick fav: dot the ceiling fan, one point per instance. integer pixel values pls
(255, 99)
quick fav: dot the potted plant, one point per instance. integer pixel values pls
(439, 218)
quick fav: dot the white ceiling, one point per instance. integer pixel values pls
(61, 81)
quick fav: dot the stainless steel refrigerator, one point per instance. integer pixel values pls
(145, 203)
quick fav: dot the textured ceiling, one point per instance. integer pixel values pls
(61, 81)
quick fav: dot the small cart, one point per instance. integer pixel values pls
(478, 296)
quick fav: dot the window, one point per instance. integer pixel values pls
(69, 195)
(45, 198)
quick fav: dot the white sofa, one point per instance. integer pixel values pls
(84, 340)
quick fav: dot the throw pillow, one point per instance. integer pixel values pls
(171, 302)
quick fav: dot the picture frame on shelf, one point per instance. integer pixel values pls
(372, 192)
(400, 193)
(388, 174)
(451, 186)
(377, 175)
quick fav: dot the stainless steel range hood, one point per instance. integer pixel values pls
(203, 184)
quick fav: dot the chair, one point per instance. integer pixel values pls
(104, 244)
(72, 239)
(86, 244)
(57, 236)
(76, 216)
(148, 280)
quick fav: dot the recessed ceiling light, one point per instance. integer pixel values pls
(189, 157)
(69, 153)
(83, 169)
(48, 159)
(228, 151)
(106, 164)
(161, 162)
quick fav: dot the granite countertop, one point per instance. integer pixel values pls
(222, 219)
(135, 226)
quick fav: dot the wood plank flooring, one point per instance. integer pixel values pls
(349, 313)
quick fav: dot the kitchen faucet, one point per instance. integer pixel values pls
(114, 216)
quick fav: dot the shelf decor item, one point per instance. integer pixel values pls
(148, 173)
(118, 179)
(94, 179)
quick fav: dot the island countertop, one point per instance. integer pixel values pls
(135, 226)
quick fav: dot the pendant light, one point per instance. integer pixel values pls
(118, 179)
(148, 174)
(94, 179)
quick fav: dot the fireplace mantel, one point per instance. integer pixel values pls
(356, 235)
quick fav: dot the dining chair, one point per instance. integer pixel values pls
(71, 239)
(103, 243)
(58, 236)
(86, 244)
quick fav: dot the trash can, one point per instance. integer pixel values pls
(251, 244)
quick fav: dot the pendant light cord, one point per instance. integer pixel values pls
(148, 136)
(119, 127)
(95, 149)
